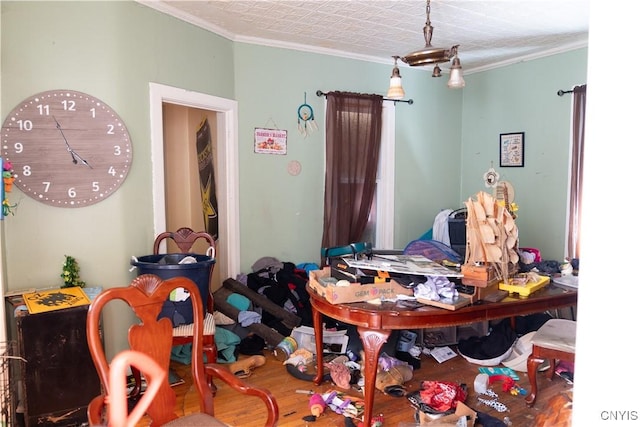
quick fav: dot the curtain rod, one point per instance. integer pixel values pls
(408, 101)
(562, 92)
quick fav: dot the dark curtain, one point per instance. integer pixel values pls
(353, 132)
(577, 154)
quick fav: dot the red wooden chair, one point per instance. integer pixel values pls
(153, 337)
(185, 238)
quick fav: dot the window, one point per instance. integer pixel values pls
(353, 141)
(379, 229)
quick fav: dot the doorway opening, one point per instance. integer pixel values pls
(223, 115)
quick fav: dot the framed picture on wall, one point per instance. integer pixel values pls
(512, 149)
(270, 141)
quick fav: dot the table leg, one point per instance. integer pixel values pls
(372, 342)
(317, 331)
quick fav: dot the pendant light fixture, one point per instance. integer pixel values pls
(455, 76)
(435, 55)
(395, 85)
(437, 72)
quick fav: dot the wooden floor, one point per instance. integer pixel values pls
(248, 411)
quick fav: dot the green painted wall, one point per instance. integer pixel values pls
(111, 50)
(523, 98)
(444, 141)
(282, 215)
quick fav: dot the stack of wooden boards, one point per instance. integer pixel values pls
(492, 241)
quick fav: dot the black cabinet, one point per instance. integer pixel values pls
(58, 376)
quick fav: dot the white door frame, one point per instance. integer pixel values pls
(226, 167)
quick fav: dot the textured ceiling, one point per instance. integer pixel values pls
(490, 33)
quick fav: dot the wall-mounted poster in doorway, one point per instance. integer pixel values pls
(270, 141)
(207, 178)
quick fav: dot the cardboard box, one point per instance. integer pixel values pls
(355, 292)
(341, 271)
(462, 410)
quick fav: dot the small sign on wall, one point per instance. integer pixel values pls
(270, 141)
(512, 149)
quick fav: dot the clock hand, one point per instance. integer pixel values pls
(63, 137)
(77, 157)
(74, 156)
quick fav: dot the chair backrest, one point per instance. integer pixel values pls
(153, 337)
(184, 238)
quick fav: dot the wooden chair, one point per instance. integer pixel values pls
(185, 238)
(555, 340)
(153, 337)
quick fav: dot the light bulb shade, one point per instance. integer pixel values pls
(456, 81)
(395, 88)
(395, 84)
(437, 72)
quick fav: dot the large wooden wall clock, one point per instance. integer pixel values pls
(68, 149)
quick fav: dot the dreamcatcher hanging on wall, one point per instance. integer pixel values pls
(306, 121)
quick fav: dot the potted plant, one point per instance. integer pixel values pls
(71, 273)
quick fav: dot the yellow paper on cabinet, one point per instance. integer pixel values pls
(55, 299)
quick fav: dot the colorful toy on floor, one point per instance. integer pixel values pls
(342, 404)
(508, 385)
(317, 405)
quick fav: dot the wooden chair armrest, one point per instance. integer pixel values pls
(237, 384)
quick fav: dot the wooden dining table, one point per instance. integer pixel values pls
(376, 322)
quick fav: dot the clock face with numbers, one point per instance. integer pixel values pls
(67, 149)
